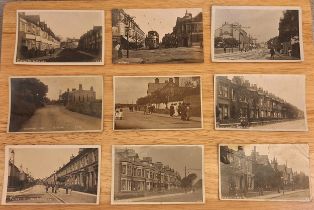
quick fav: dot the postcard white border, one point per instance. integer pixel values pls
(102, 62)
(213, 17)
(68, 76)
(252, 128)
(5, 182)
(265, 200)
(113, 202)
(152, 129)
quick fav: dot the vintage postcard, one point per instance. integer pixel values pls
(157, 174)
(263, 102)
(51, 174)
(264, 172)
(157, 36)
(60, 37)
(157, 103)
(256, 34)
(56, 104)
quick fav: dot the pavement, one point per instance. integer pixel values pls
(137, 120)
(38, 194)
(287, 125)
(163, 55)
(58, 118)
(288, 194)
(256, 54)
(196, 196)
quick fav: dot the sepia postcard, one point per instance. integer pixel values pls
(264, 172)
(142, 36)
(256, 34)
(51, 174)
(157, 174)
(260, 102)
(60, 37)
(56, 104)
(157, 103)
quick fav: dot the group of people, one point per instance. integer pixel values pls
(182, 109)
(149, 109)
(55, 188)
(119, 114)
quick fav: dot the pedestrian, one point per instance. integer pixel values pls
(183, 112)
(171, 110)
(272, 53)
(52, 188)
(179, 109)
(120, 114)
(145, 109)
(47, 188)
(188, 112)
(225, 49)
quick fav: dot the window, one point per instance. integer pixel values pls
(124, 169)
(123, 185)
(139, 172)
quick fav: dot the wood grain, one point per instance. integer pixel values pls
(208, 136)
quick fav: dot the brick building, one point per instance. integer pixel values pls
(132, 174)
(235, 31)
(189, 30)
(91, 41)
(80, 173)
(237, 98)
(35, 38)
(126, 31)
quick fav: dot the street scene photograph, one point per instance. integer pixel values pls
(58, 37)
(263, 102)
(153, 174)
(51, 174)
(157, 103)
(142, 36)
(56, 104)
(264, 172)
(256, 34)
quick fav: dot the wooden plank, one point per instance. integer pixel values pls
(208, 136)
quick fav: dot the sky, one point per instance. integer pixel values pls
(57, 84)
(263, 23)
(160, 20)
(288, 87)
(177, 157)
(42, 162)
(69, 24)
(129, 89)
(296, 155)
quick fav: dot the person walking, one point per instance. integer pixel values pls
(47, 188)
(272, 53)
(183, 112)
(171, 110)
(179, 109)
(188, 111)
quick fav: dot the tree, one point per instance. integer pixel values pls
(218, 42)
(187, 181)
(230, 42)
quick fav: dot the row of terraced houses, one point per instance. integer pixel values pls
(35, 38)
(236, 98)
(80, 173)
(138, 175)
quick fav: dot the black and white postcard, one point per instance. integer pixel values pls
(51, 174)
(56, 104)
(256, 34)
(142, 36)
(157, 102)
(157, 174)
(60, 37)
(264, 172)
(264, 102)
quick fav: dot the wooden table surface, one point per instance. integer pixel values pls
(208, 136)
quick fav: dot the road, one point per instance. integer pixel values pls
(256, 54)
(288, 125)
(164, 55)
(196, 196)
(67, 55)
(38, 194)
(137, 120)
(58, 118)
(298, 195)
